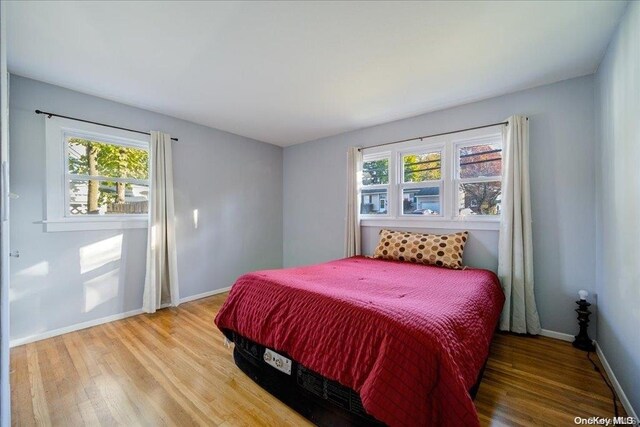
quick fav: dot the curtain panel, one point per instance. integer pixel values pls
(161, 280)
(515, 247)
(354, 175)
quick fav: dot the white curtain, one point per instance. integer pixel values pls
(515, 250)
(354, 174)
(161, 281)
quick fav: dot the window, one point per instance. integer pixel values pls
(479, 173)
(421, 182)
(106, 178)
(95, 180)
(436, 182)
(375, 185)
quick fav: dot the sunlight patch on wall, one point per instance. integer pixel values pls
(100, 253)
(32, 289)
(195, 218)
(37, 270)
(29, 281)
(101, 289)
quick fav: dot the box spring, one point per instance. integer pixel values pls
(322, 401)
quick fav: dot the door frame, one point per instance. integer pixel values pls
(5, 385)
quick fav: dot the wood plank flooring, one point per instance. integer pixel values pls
(172, 368)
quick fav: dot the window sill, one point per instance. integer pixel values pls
(91, 224)
(492, 224)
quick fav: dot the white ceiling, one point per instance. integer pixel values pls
(290, 72)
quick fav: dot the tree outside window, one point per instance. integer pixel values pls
(480, 174)
(93, 163)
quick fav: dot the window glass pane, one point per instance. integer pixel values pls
(481, 198)
(95, 197)
(480, 161)
(87, 157)
(374, 202)
(421, 167)
(421, 201)
(375, 172)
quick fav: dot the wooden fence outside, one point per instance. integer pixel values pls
(141, 207)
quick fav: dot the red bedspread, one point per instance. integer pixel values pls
(411, 339)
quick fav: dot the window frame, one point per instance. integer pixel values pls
(489, 139)
(57, 177)
(373, 157)
(449, 183)
(432, 148)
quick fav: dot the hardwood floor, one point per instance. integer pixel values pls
(172, 368)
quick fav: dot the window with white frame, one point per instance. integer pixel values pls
(479, 177)
(434, 182)
(105, 177)
(421, 182)
(375, 185)
(95, 180)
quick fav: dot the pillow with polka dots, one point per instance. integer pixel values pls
(444, 250)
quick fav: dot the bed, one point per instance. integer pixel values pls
(409, 341)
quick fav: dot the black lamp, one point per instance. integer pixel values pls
(582, 341)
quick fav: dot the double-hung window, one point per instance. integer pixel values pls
(421, 182)
(479, 177)
(95, 179)
(434, 183)
(374, 193)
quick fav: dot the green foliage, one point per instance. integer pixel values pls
(375, 172)
(422, 167)
(111, 160)
(114, 161)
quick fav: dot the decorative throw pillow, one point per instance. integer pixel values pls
(436, 249)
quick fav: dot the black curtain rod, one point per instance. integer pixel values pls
(94, 123)
(434, 135)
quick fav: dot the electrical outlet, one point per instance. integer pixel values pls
(278, 361)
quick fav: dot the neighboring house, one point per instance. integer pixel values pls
(422, 200)
(373, 201)
(417, 201)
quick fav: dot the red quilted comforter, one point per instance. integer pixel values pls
(411, 339)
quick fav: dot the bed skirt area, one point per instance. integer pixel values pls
(322, 401)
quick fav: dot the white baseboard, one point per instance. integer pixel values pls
(616, 385)
(557, 335)
(78, 326)
(205, 294)
(71, 328)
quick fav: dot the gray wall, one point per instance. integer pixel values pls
(618, 251)
(234, 182)
(562, 185)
